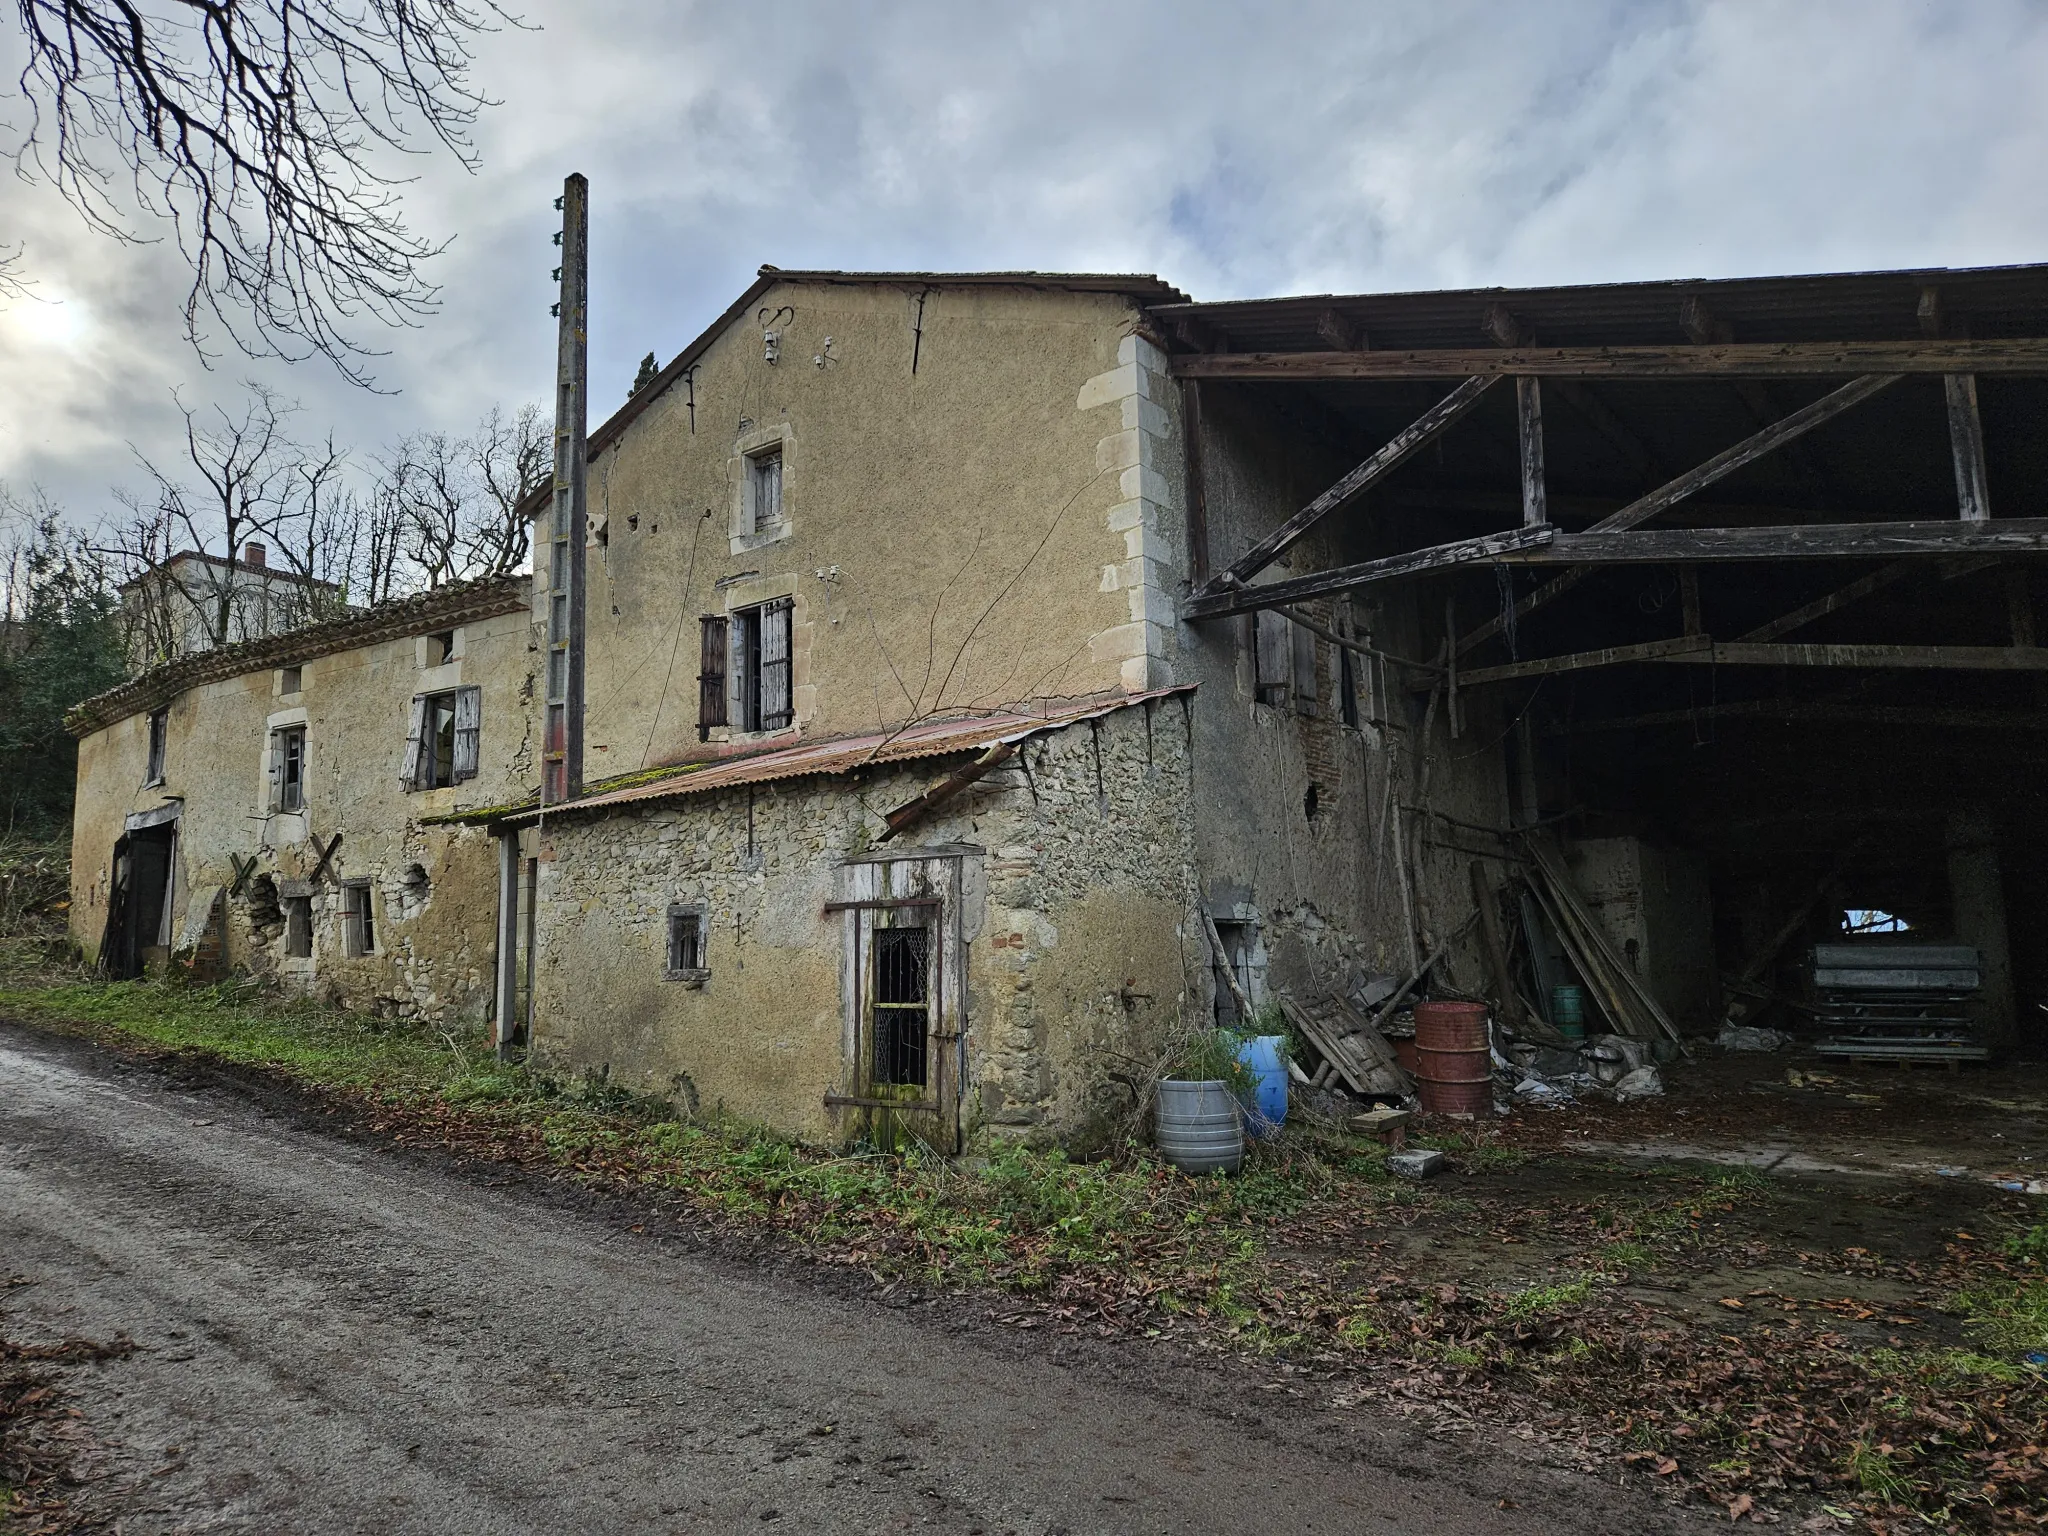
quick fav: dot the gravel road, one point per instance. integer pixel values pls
(339, 1338)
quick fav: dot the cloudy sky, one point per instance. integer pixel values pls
(1235, 150)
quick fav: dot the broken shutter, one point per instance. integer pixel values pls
(1273, 656)
(415, 742)
(275, 802)
(469, 721)
(775, 692)
(711, 671)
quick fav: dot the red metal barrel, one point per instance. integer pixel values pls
(1453, 1059)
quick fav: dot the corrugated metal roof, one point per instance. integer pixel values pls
(843, 754)
(1841, 306)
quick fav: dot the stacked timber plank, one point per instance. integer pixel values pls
(1612, 981)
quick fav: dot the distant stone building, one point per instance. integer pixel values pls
(194, 602)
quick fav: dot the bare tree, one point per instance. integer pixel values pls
(244, 463)
(255, 127)
(457, 499)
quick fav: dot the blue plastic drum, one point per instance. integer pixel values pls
(1265, 1099)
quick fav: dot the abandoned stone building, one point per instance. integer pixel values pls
(957, 683)
(266, 803)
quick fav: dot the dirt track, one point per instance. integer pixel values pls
(337, 1339)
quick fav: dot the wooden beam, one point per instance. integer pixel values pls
(1807, 541)
(1723, 464)
(1966, 439)
(1750, 449)
(1433, 421)
(1796, 713)
(1277, 594)
(1841, 597)
(1704, 328)
(1529, 432)
(1776, 359)
(1699, 651)
(1689, 600)
(910, 811)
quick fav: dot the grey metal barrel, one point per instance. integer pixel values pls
(1200, 1126)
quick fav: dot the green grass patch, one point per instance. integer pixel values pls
(1540, 1300)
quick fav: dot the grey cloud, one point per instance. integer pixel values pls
(1233, 149)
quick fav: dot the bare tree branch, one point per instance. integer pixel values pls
(256, 128)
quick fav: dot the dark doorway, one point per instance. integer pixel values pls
(135, 908)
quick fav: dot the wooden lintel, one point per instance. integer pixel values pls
(1688, 650)
(1808, 541)
(1790, 359)
(1397, 452)
(1277, 594)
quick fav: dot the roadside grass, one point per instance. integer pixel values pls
(1289, 1260)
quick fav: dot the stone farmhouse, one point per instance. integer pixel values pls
(959, 682)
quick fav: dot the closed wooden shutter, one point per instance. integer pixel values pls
(1305, 680)
(469, 721)
(1273, 656)
(415, 742)
(711, 673)
(775, 636)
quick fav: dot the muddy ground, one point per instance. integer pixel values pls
(338, 1336)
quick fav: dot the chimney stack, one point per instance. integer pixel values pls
(254, 554)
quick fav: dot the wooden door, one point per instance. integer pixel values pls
(904, 981)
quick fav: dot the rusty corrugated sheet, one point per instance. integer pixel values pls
(843, 754)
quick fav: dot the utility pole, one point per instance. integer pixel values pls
(568, 525)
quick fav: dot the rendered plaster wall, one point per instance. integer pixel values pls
(1076, 923)
(1655, 905)
(1344, 884)
(434, 892)
(982, 530)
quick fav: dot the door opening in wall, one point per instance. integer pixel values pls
(1240, 954)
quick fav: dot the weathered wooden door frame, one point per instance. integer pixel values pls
(876, 892)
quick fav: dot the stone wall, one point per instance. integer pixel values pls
(433, 888)
(1077, 869)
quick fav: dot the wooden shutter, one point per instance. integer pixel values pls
(469, 721)
(275, 801)
(1305, 680)
(415, 742)
(711, 673)
(775, 637)
(1273, 656)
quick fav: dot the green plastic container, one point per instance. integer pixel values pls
(1568, 1011)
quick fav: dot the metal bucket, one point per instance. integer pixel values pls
(1453, 1059)
(1200, 1126)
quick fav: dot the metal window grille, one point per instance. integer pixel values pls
(902, 1005)
(685, 939)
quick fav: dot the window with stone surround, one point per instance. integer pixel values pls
(688, 942)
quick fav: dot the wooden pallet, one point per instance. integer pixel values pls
(1347, 1041)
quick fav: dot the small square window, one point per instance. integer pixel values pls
(159, 733)
(358, 919)
(764, 490)
(290, 679)
(687, 935)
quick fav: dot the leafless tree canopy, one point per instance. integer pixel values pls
(255, 127)
(435, 508)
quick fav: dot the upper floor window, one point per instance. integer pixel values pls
(1283, 661)
(744, 672)
(290, 679)
(764, 490)
(159, 734)
(288, 768)
(441, 744)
